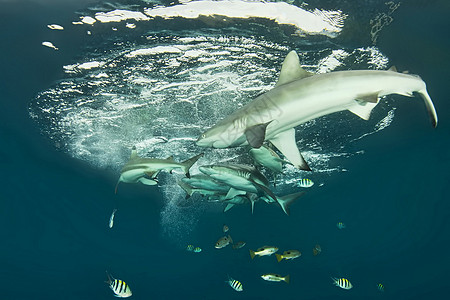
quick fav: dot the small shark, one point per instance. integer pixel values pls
(300, 96)
(241, 178)
(145, 170)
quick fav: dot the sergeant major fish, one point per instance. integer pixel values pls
(343, 283)
(236, 285)
(119, 287)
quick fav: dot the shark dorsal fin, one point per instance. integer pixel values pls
(291, 70)
(133, 153)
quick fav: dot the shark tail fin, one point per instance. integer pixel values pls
(430, 107)
(287, 200)
(187, 164)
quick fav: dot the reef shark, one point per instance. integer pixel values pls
(300, 96)
(241, 179)
(145, 170)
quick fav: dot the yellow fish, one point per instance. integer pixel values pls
(290, 254)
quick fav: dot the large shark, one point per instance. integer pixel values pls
(300, 96)
(145, 170)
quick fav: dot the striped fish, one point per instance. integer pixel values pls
(343, 283)
(197, 249)
(380, 287)
(236, 285)
(305, 183)
(119, 287)
(190, 247)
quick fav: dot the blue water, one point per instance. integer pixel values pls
(55, 206)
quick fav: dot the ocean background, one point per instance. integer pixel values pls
(386, 178)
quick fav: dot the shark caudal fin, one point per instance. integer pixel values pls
(287, 200)
(187, 164)
(430, 107)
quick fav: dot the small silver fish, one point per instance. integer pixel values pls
(111, 219)
(119, 287)
(223, 242)
(275, 277)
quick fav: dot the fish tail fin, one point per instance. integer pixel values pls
(187, 164)
(430, 107)
(252, 254)
(287, 278)
(287, 200)
(279, 257)
(231, 240)
(110, 278)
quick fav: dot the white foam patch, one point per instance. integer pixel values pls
(119, 15)
(317, 22)
(55, 27)
(154, 51)
(49, 45)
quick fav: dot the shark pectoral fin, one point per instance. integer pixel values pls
(430, 107)
(147, 181)
(362, 109)
(256, 134)
(287, 200)
(291, 70)
(170, 158)
(266, 190)
(285, 142)
(228, 207)
(232, 192)
(152, 175)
